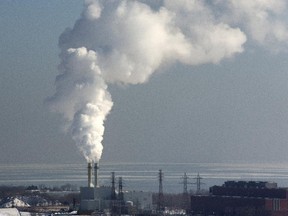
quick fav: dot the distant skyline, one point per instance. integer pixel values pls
(234, 110)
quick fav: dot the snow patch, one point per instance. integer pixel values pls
(13, 202)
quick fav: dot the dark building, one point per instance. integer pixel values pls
(248, 190)
(242, 199)
(228, 206)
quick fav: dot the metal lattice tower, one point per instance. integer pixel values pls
(198, 183)
(113, 193)
(185, 195)
(113, 203)
(120, 203)
(185, 183)
(121, 195)
(160, 205)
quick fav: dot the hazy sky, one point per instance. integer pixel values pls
(231, 109)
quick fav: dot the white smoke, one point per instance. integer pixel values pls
(82, 97)
(126, 41)
(264, 21)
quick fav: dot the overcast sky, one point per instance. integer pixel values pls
(231, 109)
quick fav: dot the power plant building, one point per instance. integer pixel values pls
(93, 199)
(99, 198)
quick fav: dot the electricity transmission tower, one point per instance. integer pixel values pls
(185, 195)
(198, 183)
(160, 204)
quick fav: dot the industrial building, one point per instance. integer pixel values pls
(143, 200)
(96, 198)
(242, 198)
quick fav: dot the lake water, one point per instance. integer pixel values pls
(144, 176)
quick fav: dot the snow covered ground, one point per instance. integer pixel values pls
(9, 212)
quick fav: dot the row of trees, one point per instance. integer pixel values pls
(65, 187)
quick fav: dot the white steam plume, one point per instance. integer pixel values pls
(126, 41)
(82, 97)
(264, 21)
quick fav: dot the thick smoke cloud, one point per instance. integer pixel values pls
(82, 97)
(127, 41)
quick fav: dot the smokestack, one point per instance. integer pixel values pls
(96, 175)
(89, 174)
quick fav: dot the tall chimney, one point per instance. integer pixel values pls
(89, 174)
(96, 175)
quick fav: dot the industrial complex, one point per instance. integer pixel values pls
(233, 198)
(96, 198)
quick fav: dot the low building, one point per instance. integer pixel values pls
(142, 200)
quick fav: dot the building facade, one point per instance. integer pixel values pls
(242, 199)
